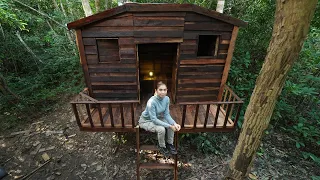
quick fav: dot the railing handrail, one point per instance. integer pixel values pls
(209, 102)
(105, 102)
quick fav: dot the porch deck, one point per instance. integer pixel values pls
(123, 116)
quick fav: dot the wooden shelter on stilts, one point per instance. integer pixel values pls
(126, 50)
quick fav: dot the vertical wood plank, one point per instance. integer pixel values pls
(75, 111)
(111, 114)
(228, 60)
(100, 115)
(207, 114)
(121, 113)
(89, 115)
(196, 116)
(83, 60)
(217, 116)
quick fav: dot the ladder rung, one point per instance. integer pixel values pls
(156, 166)
(149, 147)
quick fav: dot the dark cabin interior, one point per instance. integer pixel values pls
(157, 63)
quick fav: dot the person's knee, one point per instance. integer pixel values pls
(161, 130)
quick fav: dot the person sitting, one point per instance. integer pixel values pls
(156, 118)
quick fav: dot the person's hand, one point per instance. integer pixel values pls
(177, 126)
(173, 128)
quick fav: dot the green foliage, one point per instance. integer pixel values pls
(8, 16)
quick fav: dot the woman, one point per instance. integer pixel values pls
(156, 118)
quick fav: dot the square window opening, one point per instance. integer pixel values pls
(108, 50)
(208, 45)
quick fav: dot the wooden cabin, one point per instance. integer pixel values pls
(126, 50)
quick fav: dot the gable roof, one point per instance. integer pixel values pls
(159, 7)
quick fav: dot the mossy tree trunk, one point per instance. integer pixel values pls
(292, 21)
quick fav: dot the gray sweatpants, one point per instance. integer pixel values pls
(160, 130)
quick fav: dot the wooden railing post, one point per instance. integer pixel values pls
(121, 114)
(111, 114)
(207, 115)
(75, 111)
(89, 115)
(184, 115)
(217, 116)
(100, 115)
(196, 116)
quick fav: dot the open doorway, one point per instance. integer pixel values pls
(157, 62)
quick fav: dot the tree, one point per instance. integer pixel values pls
(220, 6)
(86, 7)
(292, 21)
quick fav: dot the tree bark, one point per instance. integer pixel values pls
(292, 21)
(97, 4)
(86, 8)
(220, 6)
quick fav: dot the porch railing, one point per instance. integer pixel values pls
(87, 109)
(230, 107)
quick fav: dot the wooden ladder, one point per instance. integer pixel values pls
(154, 148)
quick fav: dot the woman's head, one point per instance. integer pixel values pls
(161, 90)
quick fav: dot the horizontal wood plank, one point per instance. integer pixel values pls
(158, 21)
(203, 26)
(202, 61)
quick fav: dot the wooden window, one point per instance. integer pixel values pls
(108, 50)
(208, 45)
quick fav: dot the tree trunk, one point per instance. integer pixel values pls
(292, 21)
(220, 6)
(97, 4)
(86, 8)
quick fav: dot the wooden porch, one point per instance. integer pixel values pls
(123, 116)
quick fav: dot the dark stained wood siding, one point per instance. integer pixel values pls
(112, 70)
(116, 77)
(199, 78)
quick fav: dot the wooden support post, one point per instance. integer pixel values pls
(176, 156)
(138, 152)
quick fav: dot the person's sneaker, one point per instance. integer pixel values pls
(164, 151)
(172, 149)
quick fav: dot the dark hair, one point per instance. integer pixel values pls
(160, 83)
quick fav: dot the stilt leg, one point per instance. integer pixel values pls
(138, 151)
(176, 156)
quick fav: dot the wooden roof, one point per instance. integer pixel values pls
(136, 7)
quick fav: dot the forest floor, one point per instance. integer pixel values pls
(103, 156)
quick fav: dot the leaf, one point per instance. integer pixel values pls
(298, 144)
(252, 176)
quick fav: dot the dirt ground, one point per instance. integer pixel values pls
(87, 155)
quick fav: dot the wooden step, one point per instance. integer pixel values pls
(149, 147)
(156, 166)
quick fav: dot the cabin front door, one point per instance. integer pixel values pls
(157, 62)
